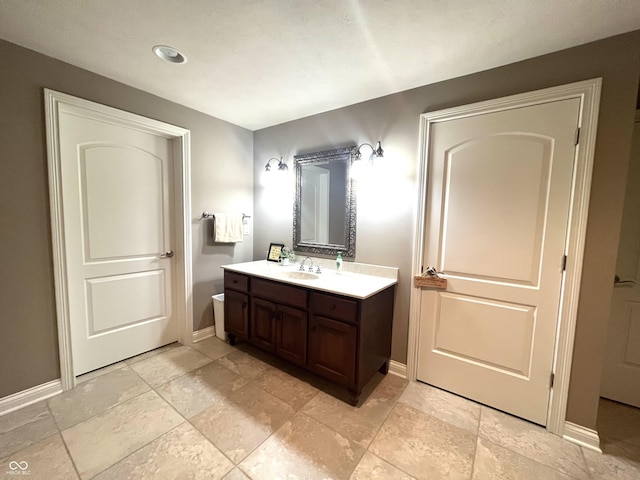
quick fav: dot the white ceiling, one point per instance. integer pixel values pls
(258, 63)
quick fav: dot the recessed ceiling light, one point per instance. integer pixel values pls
(169, 54)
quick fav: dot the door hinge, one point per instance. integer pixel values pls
(552, 380)
(564, 263)
(576, 139)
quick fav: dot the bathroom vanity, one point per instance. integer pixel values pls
(337, 326)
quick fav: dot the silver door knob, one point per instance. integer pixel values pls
(168, 254)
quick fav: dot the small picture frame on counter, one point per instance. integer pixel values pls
(273, 254)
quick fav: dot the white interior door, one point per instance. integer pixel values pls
(621, 368)
(498, 195)
(117, 193)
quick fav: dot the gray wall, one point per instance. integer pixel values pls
(221, 180)
(387, 202)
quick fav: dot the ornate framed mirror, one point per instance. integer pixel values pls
(324, 209)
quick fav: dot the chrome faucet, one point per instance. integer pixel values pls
(302, 263)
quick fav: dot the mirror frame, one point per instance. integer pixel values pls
(348, 247)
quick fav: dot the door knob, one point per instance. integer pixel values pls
(167, 254)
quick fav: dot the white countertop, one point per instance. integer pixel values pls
(350, 284)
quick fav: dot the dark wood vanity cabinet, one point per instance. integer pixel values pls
(279, 329)
(333, 337)
(332, 349)
(342, 339)
(279, 319)
(236, 305)
(263, 324)
(291, 335)
(236, 309)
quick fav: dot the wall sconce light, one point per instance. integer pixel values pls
(376, 152)
(282, 167)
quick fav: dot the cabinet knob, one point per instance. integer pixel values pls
(333, 306)
(234, 281)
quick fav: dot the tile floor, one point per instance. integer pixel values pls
(213, 411)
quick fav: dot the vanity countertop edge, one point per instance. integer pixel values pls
(348, 283)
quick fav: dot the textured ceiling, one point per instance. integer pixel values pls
(257, 63)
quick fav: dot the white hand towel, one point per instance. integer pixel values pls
(227, 227)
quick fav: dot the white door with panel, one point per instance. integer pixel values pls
(117, 194)
(497, 209)
(621, 367)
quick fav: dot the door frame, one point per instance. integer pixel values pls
(588, 92)
(181, 210)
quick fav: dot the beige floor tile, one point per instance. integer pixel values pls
(107, 438)
(388, 389)
(96, 395)
(372, 467)
(214, 348)
(243, 409)
(359, 424)
(304, 448)
(617, 462)
(617, 421)
(532, 441)
(25, 427)
(47, 460)
(446, 406)
(240, 422)
(152, 353)
(99, 372)
(287, 388)
(244, 365)
(191, 393)
(170, 364)
(24, 416)
(494, 462)
(424, 446)
(236, 474)
(179, 454)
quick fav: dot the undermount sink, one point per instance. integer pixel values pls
(300, 275)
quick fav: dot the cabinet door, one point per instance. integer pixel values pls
(263, 324)
(236, 313)
(291, 339)
(332, 349)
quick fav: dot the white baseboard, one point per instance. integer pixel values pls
(585, 437)
(397, 368)
(203, 334)
(31, 395)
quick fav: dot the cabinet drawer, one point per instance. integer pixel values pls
(281, 293)
(334, 307)
(236, 281)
